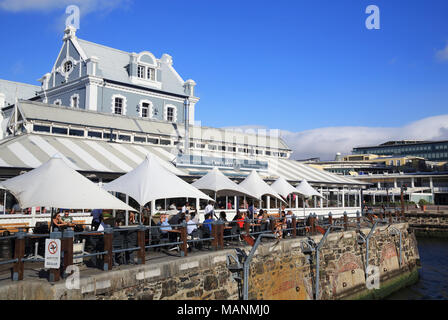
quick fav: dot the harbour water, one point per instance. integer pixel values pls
(433, 282)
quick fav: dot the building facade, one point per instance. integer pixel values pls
(430, 150)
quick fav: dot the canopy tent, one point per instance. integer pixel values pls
(283, 187)
(151, 181)
(55, 184)
(257, 187)
(215, 181)
(307, 191)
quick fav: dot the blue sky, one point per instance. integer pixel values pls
(293, 65)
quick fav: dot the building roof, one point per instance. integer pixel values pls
(24, 90)
(88, 155)
(32, 110)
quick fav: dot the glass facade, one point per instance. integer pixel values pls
(433, 151)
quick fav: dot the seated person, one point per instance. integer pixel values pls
(57, 222)
(67, 219)
(223, 216)
(207, 224)
(191, 225)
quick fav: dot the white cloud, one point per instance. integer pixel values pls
(442, 55)
(86, 6)
(325, 142)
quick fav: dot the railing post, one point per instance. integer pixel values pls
(390, 217)
(183, 238)
(246, 226)
(272, 224)
(294, 226)
(330, 219)
(345, 221)
(109, 256)
(381, 215)
(19, 253)
(221, 226)
(141, 244)
(358, 219)
(55, 274)
(370, 216)
(215, 235)
(313, 224)
(67, 249)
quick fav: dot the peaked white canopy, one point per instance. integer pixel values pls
(257, 187)
(55, 184)
(216, 181)
(306, 190)
(151, 181)
(283, 187)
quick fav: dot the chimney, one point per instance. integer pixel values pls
(92, 65)
(189, 87)
(45, 80)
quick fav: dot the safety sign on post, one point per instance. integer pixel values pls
(52, 253)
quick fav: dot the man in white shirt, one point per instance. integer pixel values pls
(186, 208)
(191, 225)
(209, 209)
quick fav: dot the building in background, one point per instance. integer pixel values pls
(430, 150)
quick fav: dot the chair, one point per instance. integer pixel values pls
(117, 244)
(130, 242)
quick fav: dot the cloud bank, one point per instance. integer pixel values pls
(326, 142)
(442, 55)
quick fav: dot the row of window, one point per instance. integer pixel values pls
(100, 135)
(403, 149)
(119, 107)
(241, 150)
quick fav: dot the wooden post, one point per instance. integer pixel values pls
(221, 226)
(358, 219)
(294, 226)
(381, 215)
(19, 253)
(330, 219)
(67, 249)
(345, 221)
(183, 238)
(246, 226)
(109, 256)
(313, 223)
(55, 274)
(390, 217)
(141, 244)
(215, 235)
(272, 224)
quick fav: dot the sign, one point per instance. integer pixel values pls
(52, 253)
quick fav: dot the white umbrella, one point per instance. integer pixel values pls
(215, 181)
(256, 186)
(283, 187)
(151, 181)
(307, 191)
(55, 184)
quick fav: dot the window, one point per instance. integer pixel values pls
(74, 101)
(123, 137)
(57, 102)
(68, 67)
(200, 145)
(109, 137)
(141, 72)
(75, 132)
(146, 109)
(170, 114)
(39, 128)
(151, 74)
(153, 140)
(118, 106)
(58, 130)
(212, 147)
(165, 142)
(139, 139)
(95, 134)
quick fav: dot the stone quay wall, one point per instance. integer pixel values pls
(279, 270)
(431, 224)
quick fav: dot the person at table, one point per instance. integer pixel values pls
(186, 208)
(207, 224)
(57, 222)
(223, 216)
(229, 205)
(191, 225)
(67, 219)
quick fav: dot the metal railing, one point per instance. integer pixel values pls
(112, 242)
